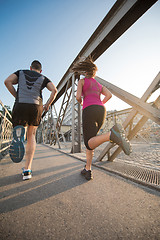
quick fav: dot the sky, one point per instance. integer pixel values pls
(54, 32)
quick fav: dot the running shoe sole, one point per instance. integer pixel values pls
(17, 150)
(27, 177)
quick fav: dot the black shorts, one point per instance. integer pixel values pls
(92, 119)
(26, 114)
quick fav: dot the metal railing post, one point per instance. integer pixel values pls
(73, 114)
(76, 120)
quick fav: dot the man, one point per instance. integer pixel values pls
(28, 107)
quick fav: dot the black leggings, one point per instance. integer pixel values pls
(92, 118)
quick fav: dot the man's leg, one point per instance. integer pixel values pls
(31, 146)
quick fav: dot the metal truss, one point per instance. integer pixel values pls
(54, 134)
(51, 132)
(122, 15)
(5, 129)
(55, 122)
(139, 106)
(64, 105)
(76, 119)
(58, 134)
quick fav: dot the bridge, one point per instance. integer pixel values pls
(123, 200)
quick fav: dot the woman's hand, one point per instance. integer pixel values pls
(107, 94)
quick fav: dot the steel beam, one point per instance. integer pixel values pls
(122, 16)
(76, 120)
(137, 103)
(154, 85)
(135, 130)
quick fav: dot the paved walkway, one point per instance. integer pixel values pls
(59, 204)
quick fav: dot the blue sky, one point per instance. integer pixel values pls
(55, 31)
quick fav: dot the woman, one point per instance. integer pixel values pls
(94, 113)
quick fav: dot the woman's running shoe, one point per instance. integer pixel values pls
(118, 136)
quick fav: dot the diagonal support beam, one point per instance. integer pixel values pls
(137, 103)
(133, 113)
(135, 130)
(64, 106)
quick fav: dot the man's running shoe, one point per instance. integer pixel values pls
(27, 174)
(17, 150)
(118, 136)
(87, 174)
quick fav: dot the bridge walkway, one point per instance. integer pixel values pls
(58, 203)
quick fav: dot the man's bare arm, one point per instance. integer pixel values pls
(9, 82)
(53, 89)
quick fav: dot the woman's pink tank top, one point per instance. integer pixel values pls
(91, 92)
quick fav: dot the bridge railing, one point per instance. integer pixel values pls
(5, 129)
